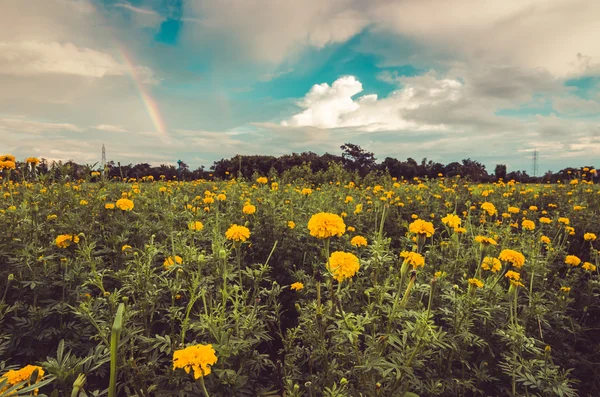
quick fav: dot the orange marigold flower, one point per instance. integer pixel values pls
(422, 227)
(572, 260)
(325, 225)
(358, 241)
(514, 257)
(198, 358)
(237, 233)
(414, 259)
(297, 286)
(343, 265)
(491, 264)
(124, 204)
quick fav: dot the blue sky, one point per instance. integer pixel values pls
(199, 80)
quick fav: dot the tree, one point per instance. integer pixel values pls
(356, 158)
(500, 171)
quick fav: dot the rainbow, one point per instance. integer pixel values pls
(149, 102)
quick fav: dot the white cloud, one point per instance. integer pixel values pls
(334, 107)
(110, 128)
(143, 17)
(575, 106)
(19, 125)
(32, 57)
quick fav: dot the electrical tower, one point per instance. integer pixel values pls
(535, 163)
(103, 157)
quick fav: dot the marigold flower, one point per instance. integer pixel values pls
(358, 209)
(420, 226)
(460, 230)
(198, 358)
(414, 259)
(51, 217)
(572, 260)
(343, 265)
(565, 289)
(221, 197)
(195, 226)
(249, 209)
(485, 240)
(125, 247)
(489, 208)
(291, 224)
(208, 200)
(65, 240)
(476, 282)
(172, 260)
(513, 275)
(237, 233)
(262, 180)
(491, 264)
(358, 241)
(14, 377)
(109, 206)
(7, 164)
(32, 160)
(528, 225)
(545, 239)
(83, 202)
(7, 157)
(297, 286)
(351, 229)
(565, 221)
(124, 204)
(514, 257)
(452, 220)
(325, 225)
(306, 191)
(514, 210)
(587, 266)
(589, 237)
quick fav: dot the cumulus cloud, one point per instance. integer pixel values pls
(334, 106)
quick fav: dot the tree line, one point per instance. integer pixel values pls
(352, 159)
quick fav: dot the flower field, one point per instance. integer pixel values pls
(268, 287)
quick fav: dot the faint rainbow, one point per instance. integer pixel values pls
(149, 102)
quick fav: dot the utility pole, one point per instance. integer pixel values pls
(535, 163)
(103, 164)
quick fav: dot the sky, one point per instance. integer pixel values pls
(199, 80)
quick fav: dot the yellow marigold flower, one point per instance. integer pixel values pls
(221, 197)
(565, 221)
(306, 191)
(587, 266)
(9, 165)
(476, 282)
(574, 182)
(414, 216)
(578, 208)
(589, 237)
(297, 286)
(485, 240)
(14, 377)
(162, 189)
(451, 220)
(514, 210)
(514, 257)
(195, 226)
(262, 180)
(249, 209)
(545, 239)
(565, 289)
(570, 229)
(208, 200)
(172, 260)
(65, 240)
(572, 260)
(358, 209)
(12, 208)
(348, 199)
(83, 202)
(489, 208)
(528, 225)
(32, 160)
(439, 274)
(291, 224)
(414, 259)
(125, 247)
(516, 283)
(274, 186)
(358, 241)
(460, 230)
(491, 264)
(237, 233)
(545, 220)
(51, 216)
(343, 265)
(124, 204)
(7, 157)
(109, 206)
(198, 358)
(421, 227)
(513, 275)
(325, 225)
(351, 229)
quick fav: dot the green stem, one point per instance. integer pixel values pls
(203, 387)
(114, 345)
